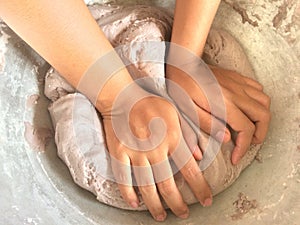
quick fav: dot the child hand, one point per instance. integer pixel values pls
(140, 144)
(247, 106)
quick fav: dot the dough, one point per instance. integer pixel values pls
(78, 131)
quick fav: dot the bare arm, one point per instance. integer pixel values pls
(192, 22)
(55, 30)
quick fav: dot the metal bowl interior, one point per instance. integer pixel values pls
(38, 189)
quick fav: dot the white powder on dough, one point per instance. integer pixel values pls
(78, 130)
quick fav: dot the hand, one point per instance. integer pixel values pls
(247, 107)
(146, 147)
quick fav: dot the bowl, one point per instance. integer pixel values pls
(37, 188)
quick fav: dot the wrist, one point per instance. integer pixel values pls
(119, 92)
(192, 22)
(104, 80)
(112, 89)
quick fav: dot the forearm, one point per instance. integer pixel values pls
(63, 32)
(192, 22)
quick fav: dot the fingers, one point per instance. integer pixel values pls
(129, 195)
(167, 188)
(255, 104)
(192, 174)
(259, 115)
(152, 201)
(173, 198)
(247, 97)
(236, 77)
(242, 144)
(247, 109)
(240, 123)
(160, 169)
(205, 121)
(253, 83)
(218, 131)
(235, 81)
(192, 102)
(259, 96)
(144, 178)
(122, 172)
(190, 138)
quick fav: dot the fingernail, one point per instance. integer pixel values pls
(220, 136)
(184, 216)
(233, 161)
(236, 159)
(207, 202)
(160, 217)
(227, 135)
(197, 153)
(134, 205)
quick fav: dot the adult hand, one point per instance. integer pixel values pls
(139, 143)
(247, 107)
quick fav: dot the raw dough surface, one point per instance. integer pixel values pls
(78, 130)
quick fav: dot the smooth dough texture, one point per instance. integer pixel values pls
(78, 130)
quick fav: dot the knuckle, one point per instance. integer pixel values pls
(259, 86)
(231, 98)
(268, 100)
(188, 133)
(250, 128)
(173, 139)
(148, 190)
(192, 172)
(258, 139)
(127, 196)
(127, 193)
(166, 189)
(265, 101)
(173, 134)
(119, 150)
(266, 116)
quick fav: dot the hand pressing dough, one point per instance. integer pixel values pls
(78, 130)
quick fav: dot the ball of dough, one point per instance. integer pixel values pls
(78, 130)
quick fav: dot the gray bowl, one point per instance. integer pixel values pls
(36, 187)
